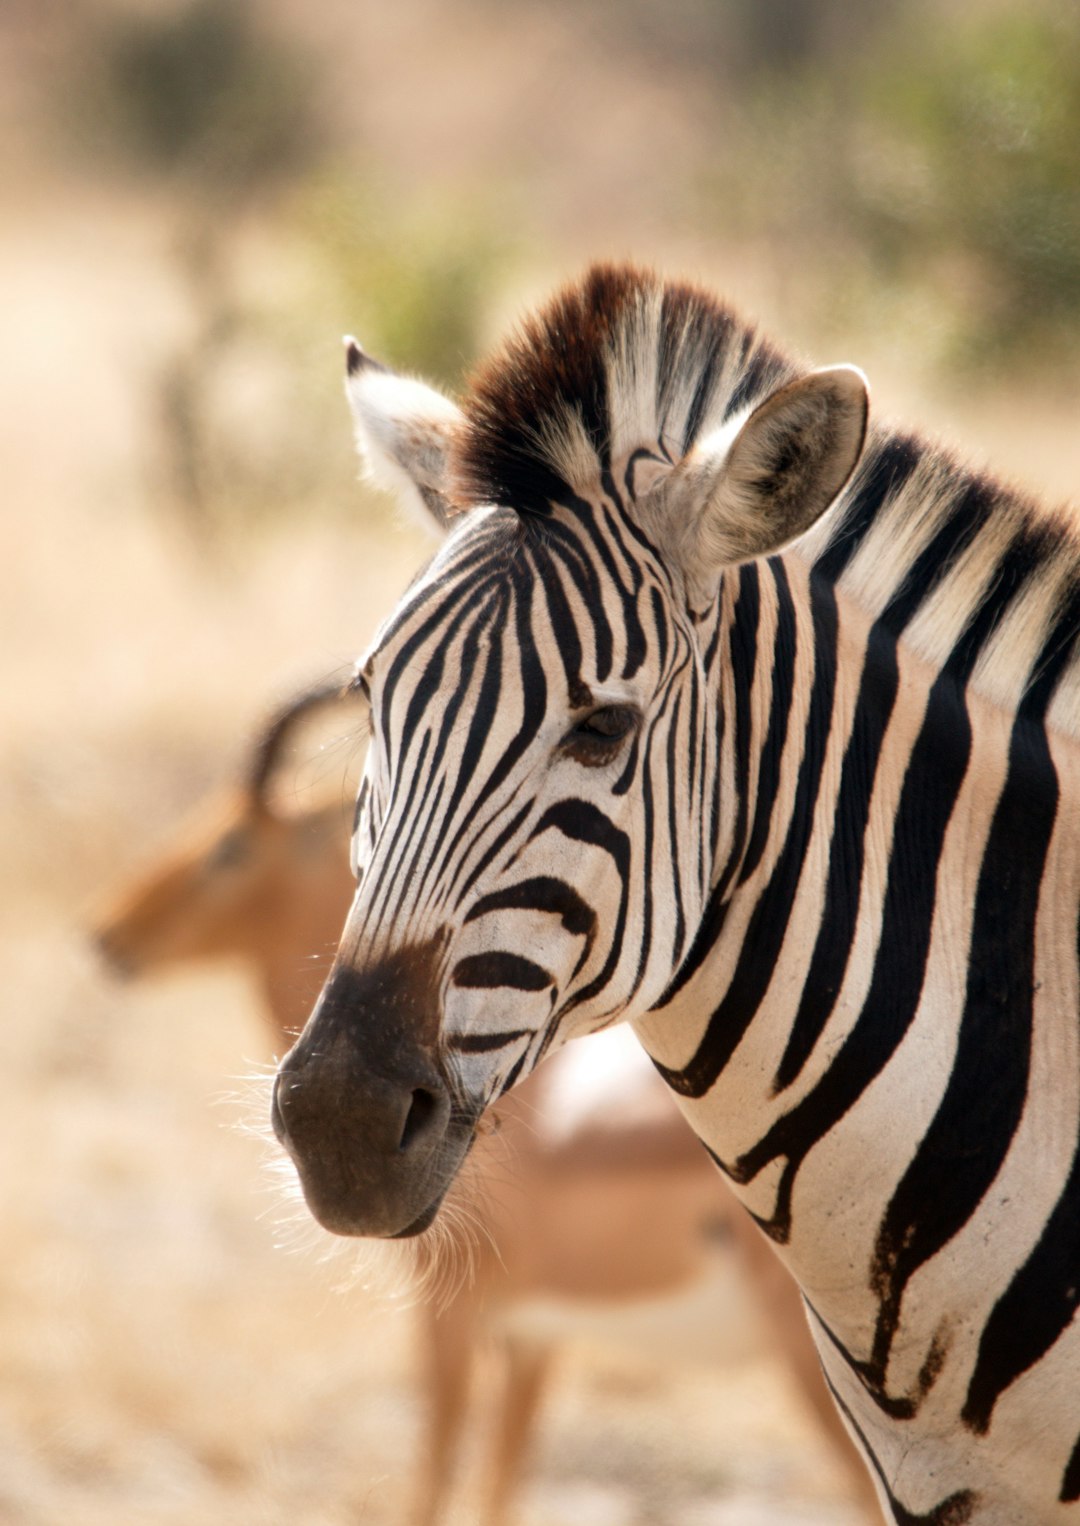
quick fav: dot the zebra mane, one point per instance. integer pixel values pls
(969, 570)
(618, 361)
(622, 361)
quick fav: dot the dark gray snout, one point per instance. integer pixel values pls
(363, 1108)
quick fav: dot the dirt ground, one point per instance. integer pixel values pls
(171, 1356)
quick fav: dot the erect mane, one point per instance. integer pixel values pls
(968, 570)
(614, 363)
(953, 561)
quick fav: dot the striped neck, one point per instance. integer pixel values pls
(884, 978)
(970, 574)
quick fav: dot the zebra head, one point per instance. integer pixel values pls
(541, 821)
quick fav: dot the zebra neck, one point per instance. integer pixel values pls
(790, 676)
(963, 569)
(882, 1012)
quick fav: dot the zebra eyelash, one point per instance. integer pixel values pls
(358, 684)
(599, 737)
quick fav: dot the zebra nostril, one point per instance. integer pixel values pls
(422, 1115)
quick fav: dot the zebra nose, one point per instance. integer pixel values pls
(423, 1119)
(363, 1105)
(397, 1120)
(369, 1148)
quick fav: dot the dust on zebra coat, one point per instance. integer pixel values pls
(659, 735)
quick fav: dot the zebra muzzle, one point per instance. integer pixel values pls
(363, 1109)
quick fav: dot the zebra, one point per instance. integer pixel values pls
(725, 713)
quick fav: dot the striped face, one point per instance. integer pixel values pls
(528, 848)
(524, 816)
(540, 821)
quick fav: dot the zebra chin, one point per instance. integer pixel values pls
(375, 1211)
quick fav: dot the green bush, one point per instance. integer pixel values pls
(976, 159)
(204, 95)
(415, 283)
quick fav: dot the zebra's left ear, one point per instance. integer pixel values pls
(751, 489)
(403, 433)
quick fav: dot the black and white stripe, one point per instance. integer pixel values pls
(829, 869)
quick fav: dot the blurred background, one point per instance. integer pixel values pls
(199, 198)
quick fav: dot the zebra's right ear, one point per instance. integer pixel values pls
(403, 433)
(765, 478)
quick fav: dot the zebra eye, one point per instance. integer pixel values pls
(597, 737)
(612, 722)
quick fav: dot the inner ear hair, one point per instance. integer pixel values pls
(785, 466)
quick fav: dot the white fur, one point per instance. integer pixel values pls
(403, 431)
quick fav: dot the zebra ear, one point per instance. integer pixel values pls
(754, 491)
(403, 433)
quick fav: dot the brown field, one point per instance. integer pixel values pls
(169, 1356)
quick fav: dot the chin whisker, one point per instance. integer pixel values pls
(433, 1268)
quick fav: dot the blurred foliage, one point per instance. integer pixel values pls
(732, 42)
(416, 282)
(911, 171)
(207, 102)
(975, 161)
(250, 409)
(935, 171)
(207, 96)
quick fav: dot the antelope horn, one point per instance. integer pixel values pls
(277, 728)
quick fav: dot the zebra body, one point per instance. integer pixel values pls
(661, 736)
